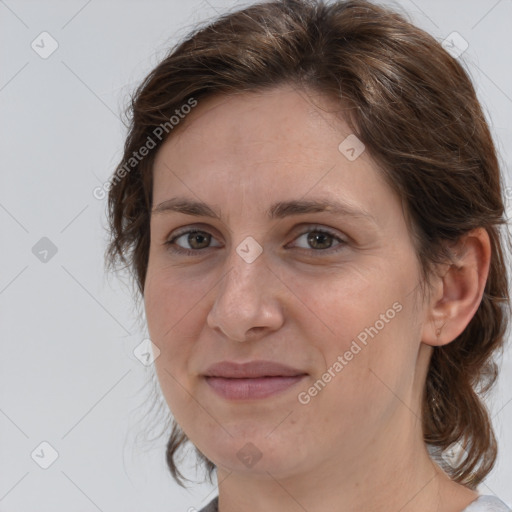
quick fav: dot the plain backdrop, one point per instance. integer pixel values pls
(69, 377)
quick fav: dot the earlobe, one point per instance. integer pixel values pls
(458, 290)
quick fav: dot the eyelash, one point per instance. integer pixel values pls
(194, 252)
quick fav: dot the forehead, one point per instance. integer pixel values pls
(265, 145)
(269, 115)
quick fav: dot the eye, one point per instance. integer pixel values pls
(195, 238)
(320, 239)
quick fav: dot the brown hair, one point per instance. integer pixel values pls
(415, 109)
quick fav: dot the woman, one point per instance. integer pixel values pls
(310, 204)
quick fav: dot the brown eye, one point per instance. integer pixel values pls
(198, 239)
(194, 240)
(320, 240)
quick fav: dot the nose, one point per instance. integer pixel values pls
(247, 303)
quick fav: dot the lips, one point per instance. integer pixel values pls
(251, 370)
(256, 379)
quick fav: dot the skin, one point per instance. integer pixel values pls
(357, 445)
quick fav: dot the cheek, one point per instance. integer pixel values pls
(366, 318)
(170, 298)
(339, 306)
(173, 305)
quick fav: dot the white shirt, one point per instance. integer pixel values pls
(487, 503)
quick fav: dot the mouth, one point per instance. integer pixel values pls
(248, 389)
(252, 380)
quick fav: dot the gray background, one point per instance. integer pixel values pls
(68, 372)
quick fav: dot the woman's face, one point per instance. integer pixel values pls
(268, 276)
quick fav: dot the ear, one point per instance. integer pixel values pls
(457, 291)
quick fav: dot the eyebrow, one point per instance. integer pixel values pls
(278, 210)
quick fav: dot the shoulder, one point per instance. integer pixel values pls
(484, 503)
(212, 506)
(487, 503)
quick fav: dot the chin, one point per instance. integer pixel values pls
(255, 453)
